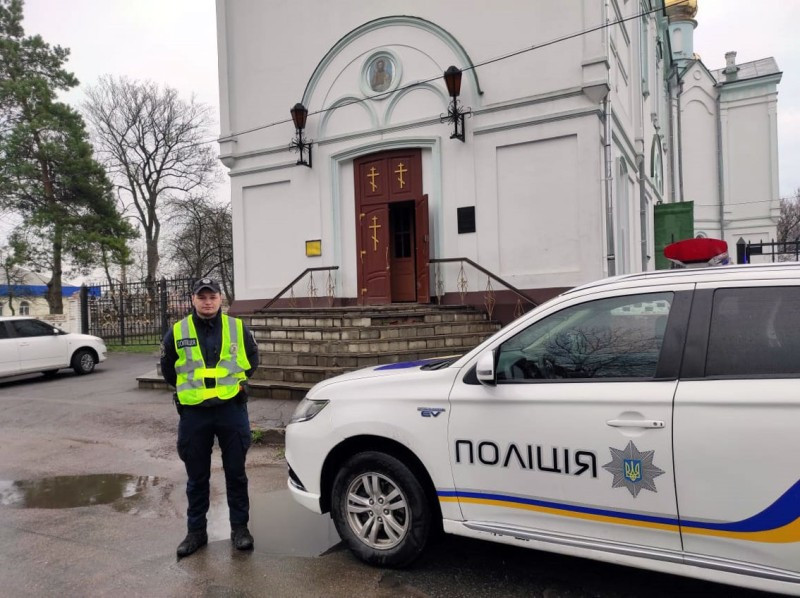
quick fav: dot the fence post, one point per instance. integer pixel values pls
(741, 254)
(162, 298)
(84, 295)
(122, 288)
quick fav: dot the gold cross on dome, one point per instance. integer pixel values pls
(374, 226)
(399, 172)
(371, 176)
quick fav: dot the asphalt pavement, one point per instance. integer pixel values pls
(92, 503)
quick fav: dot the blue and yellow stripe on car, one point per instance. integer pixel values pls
(779, 522)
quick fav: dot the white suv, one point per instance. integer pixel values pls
(650, 419)
(28, 345)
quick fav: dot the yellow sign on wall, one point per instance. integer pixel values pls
(314, 248)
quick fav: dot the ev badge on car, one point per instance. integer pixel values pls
(430, 411)
(633, 469)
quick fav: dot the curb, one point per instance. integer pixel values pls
(272, 436)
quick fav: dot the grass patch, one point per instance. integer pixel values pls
(256, 436)
(133, 348)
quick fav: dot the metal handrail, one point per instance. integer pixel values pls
(291, 284)
(516, 291)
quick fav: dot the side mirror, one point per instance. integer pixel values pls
(484, 369)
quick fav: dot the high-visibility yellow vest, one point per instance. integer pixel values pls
(191, 367)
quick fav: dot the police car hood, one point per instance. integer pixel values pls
(389, 369)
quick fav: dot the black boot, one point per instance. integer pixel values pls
(192, 542)
(241, 538)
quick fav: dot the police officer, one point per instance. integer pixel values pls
(208, 357)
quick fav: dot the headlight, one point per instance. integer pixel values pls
(306, 410)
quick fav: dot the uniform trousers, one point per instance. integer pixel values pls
(196, 431)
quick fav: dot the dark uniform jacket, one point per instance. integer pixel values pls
(209, 335)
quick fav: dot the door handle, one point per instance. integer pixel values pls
(24, 344)
(635, 423)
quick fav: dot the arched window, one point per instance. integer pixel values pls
(657, 164)
(24, 308)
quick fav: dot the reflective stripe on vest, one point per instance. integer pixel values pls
(191, 368)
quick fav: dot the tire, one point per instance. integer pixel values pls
(394, 529)
(50, 373)
(83, 362)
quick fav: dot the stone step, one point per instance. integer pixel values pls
(362, 309)
(361, 320)
(259, 389)
(399, 331)
(354, 360)
(462, 341)
(306, 374)
(278, 389)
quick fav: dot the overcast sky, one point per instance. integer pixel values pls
(174, 42)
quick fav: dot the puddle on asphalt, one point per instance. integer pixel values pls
(279, 526)
(66, 492)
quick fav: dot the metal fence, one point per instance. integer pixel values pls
(765, 252)
(135, 313)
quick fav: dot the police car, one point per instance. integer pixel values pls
(649, 419)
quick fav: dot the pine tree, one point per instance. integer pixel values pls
(47, 172)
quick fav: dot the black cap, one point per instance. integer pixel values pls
(205, 283)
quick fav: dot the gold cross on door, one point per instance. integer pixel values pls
(374, 226)
(373, 174)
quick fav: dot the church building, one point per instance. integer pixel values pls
(427, 152)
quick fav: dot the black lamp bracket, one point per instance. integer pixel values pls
(301, 144)
(455, 114)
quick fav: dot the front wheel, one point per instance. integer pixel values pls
(83, 362)
(380, 510)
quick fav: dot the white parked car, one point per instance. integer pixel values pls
(649, 419)
(28, 345)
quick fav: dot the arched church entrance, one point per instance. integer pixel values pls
(392, 228)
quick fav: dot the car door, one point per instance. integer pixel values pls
(575, 437)
(40, 346)
(737, 416)
(9, 354)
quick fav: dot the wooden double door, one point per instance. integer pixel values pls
(392, 228)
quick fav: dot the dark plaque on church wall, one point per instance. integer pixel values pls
(466, 220)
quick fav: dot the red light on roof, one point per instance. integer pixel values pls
(693, 251)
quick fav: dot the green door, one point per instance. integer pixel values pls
(671, 222)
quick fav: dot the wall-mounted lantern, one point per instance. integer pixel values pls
(300, 143)
(455, 114)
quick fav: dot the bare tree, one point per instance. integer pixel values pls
(203, 241)
(789, 221)
(153, 145)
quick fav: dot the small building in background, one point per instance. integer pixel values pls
(25, 295)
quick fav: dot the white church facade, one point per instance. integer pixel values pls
(582, 119)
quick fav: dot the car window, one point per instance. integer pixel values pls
(754, 331)
(3, 331)
(618, 337)
(32, 328)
